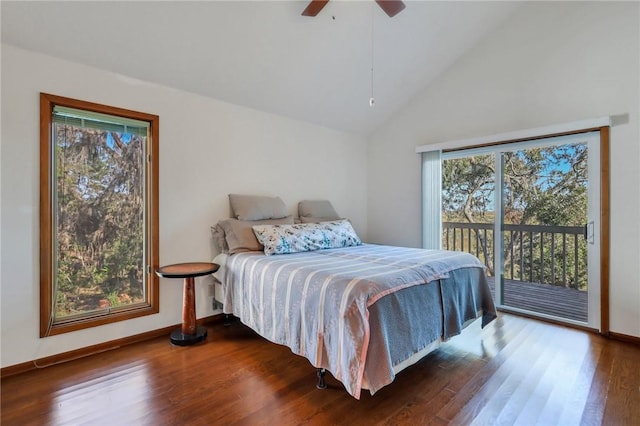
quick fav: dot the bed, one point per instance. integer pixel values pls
(364, 312)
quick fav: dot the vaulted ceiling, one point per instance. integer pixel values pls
(264, 54)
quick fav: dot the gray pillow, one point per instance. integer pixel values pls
(219, 241)
(239, 233)
(313, 219)
(318, 209)
(257, 207)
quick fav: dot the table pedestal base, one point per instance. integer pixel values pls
(181, 339)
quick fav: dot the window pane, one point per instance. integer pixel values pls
(99, 215)
(468, 211)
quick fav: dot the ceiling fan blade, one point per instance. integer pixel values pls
(391, 7)
(314, 7)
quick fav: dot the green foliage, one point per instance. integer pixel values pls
(464, 177)
(113, 298)
(99, 218)
(541, 186)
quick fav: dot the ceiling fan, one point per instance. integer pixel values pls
(391, 7)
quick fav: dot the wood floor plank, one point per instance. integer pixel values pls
(593, 413)
(623, 399)
(505, 403)
(515, 371)
(544, 400)
(464, 406)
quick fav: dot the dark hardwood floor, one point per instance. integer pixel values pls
(515, 371)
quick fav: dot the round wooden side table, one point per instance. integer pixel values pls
(189, 333)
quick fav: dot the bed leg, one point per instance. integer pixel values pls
(227, 320)
(321, 383)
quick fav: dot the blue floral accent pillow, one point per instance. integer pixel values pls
(284, 239)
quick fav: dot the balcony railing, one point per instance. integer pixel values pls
(554, 255)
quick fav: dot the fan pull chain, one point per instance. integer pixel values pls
(372, 100)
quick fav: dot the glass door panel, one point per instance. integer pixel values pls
(468, 206)
(544, 212)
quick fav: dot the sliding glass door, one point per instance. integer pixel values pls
(530, 211)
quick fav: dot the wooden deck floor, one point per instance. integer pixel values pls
(558, 301)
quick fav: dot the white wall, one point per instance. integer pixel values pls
(207, 150)
(550, 63)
